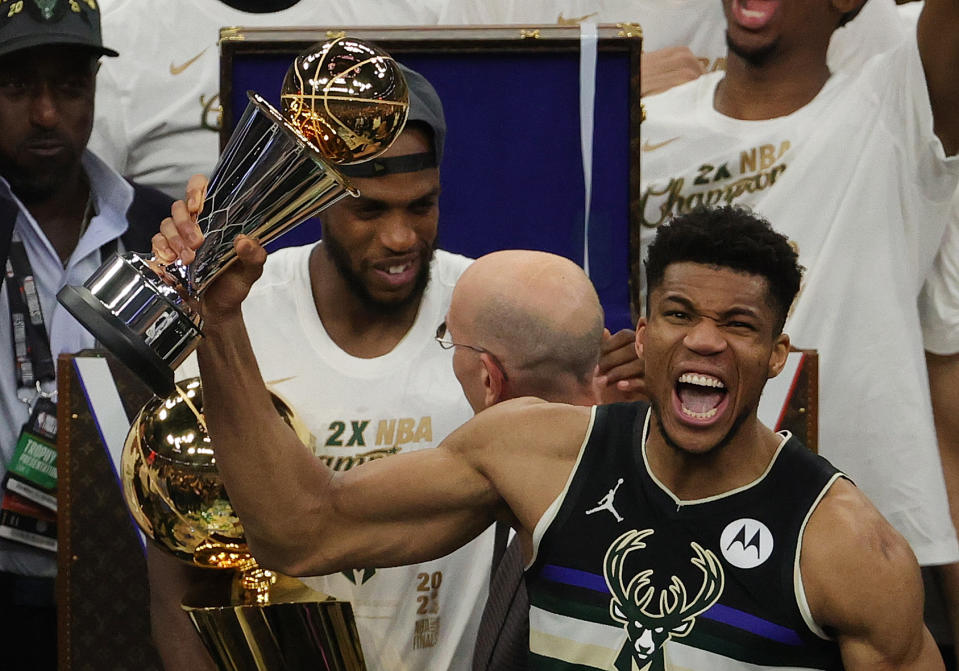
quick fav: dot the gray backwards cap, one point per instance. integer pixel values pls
(425, 107)
(52, 23)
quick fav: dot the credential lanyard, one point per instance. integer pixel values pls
(31, 344)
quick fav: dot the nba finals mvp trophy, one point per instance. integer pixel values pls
(343, 102)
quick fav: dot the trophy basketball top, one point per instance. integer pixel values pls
(347, 97)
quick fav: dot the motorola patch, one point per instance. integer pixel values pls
(746, 543)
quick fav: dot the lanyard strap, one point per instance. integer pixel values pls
(31, 344)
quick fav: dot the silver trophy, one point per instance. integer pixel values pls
(344, 101)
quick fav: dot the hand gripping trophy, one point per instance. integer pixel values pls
(344, 101)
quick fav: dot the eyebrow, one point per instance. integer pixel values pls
(737, 311)
(362, 200)
(432, 193)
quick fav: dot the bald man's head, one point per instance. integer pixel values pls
(538, 314)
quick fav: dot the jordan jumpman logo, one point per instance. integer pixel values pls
(606, 503)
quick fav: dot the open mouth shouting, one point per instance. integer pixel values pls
(700, 398)
(754, 14)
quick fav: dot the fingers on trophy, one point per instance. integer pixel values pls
(343, 101)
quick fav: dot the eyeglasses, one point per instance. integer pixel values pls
(443, 338)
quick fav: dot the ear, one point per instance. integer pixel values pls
(777, 359)
(494, 386)
(640, 336)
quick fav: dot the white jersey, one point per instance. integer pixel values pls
(697, 24)
(158, 104)
(859, 181)
(421, 617)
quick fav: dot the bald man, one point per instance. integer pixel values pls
(526, 324)
(523, 323)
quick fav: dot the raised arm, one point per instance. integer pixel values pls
(300, 517)
(863, 586)
(304, 519)
(938, 35)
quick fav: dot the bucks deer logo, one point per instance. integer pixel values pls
(648, 630)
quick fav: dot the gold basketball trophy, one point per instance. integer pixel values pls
(268, 621)
(344, 101)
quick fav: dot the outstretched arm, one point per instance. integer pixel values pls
(300, 517)
(863, 586)
(938, 35)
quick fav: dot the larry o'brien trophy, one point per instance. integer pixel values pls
(261, 620)
(344, 101)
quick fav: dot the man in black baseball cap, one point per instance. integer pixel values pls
(61, 211)
(49, 55)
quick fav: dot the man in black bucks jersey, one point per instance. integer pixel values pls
(679, 535)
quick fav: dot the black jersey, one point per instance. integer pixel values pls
(628, 577)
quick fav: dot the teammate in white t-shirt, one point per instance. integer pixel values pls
(158, 105)
(854, 166)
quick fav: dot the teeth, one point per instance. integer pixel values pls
(699, 415)
(396, 270)
(701, 381)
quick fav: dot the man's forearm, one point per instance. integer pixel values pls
(271, 476)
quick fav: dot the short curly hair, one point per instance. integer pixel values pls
(731, 237)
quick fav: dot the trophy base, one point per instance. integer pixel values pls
(115, 336)
(296, 628)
